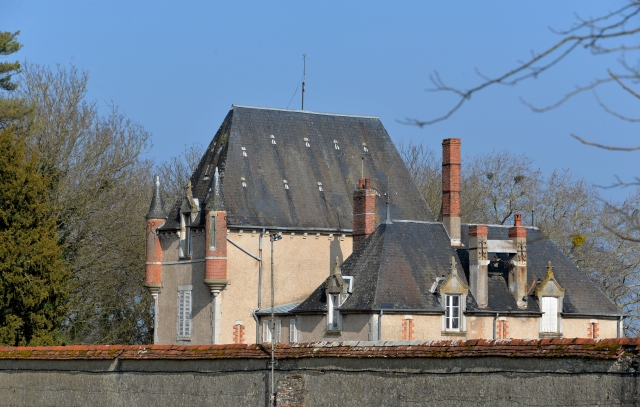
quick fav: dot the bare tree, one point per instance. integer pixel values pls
(175, 173)
(101, 193)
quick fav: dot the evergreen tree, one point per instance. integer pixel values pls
(11, 109)
(34, 281)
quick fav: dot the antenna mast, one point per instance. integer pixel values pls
(304, 76)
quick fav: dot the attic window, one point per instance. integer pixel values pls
(206, 172)
(320, 186)
(364, 146)
(244, 184)
(335, 145)
(306, 142)
(244, 151)
(273, 139)
(286, 184)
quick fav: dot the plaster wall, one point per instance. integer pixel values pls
(301, 263)
(355, 327)
(580, 328)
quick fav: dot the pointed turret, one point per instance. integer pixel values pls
(156, 209)
(216, 202)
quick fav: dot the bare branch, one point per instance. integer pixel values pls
(604, 146)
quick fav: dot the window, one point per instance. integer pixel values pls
(185, 241)
(184, 312)
(334, 319)
(267, 327)
(294, 332)
(549, 321)
(452, 312)
(214, 230)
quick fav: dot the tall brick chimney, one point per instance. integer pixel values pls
(364, 212)
(478, 264)
(451, 188)
(518, 275)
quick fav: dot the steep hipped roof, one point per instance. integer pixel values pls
(581, 296)
(341, 149)
(394, 269)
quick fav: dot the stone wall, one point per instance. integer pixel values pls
(555, 372)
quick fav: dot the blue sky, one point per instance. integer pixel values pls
(177, 67)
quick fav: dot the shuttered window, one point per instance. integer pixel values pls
(549, 314)
(294, 333)
(267, 328)
(184, 314)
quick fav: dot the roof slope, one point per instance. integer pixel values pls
(337, 165)
(394, 269)
(581, 295)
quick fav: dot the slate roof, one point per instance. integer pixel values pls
(337, 165)
(394, 269)
(581, 296)
(396, 266)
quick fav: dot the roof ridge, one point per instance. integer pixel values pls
(303, 111)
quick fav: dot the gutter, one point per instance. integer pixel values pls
(292, 228)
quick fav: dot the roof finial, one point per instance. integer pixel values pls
(549, 271)
(156, 209)
(454, 268)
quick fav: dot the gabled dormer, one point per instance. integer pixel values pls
(188, 212)
(453, 297)
(550, 295)
(337, 290)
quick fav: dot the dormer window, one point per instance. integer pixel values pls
(244, 151)
(549, 323)
(273, 139)
(335, 145)
(306, 142)
(334, 320)
(452, 312)
(185, 236)
(320, 186)
(364, 147)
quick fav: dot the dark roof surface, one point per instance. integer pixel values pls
(394, 269)
(581, 296)
(396, 266)
(338, 166)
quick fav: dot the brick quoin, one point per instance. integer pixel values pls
(216, 256)
(153, 252)
(407, 330)
(502, 330)
(593, 330)
(364, 212)
(451, 178)
(238, 334)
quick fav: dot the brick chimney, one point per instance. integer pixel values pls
(478, 264)
(364, 212)
(518, 275)
(451, 188)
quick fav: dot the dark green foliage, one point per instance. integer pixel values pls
(34, 281)
(10, 109)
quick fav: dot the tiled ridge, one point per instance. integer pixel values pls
(544, 348)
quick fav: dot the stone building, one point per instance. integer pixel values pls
(316, 187)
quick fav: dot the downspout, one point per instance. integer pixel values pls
(620, 327)
(495, 328)
(380, 325)
(255, 317)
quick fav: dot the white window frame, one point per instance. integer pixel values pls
(549, 320)
(450, 308)
(266, 330)
(185, 305)
(294, 331)
(334, 319)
